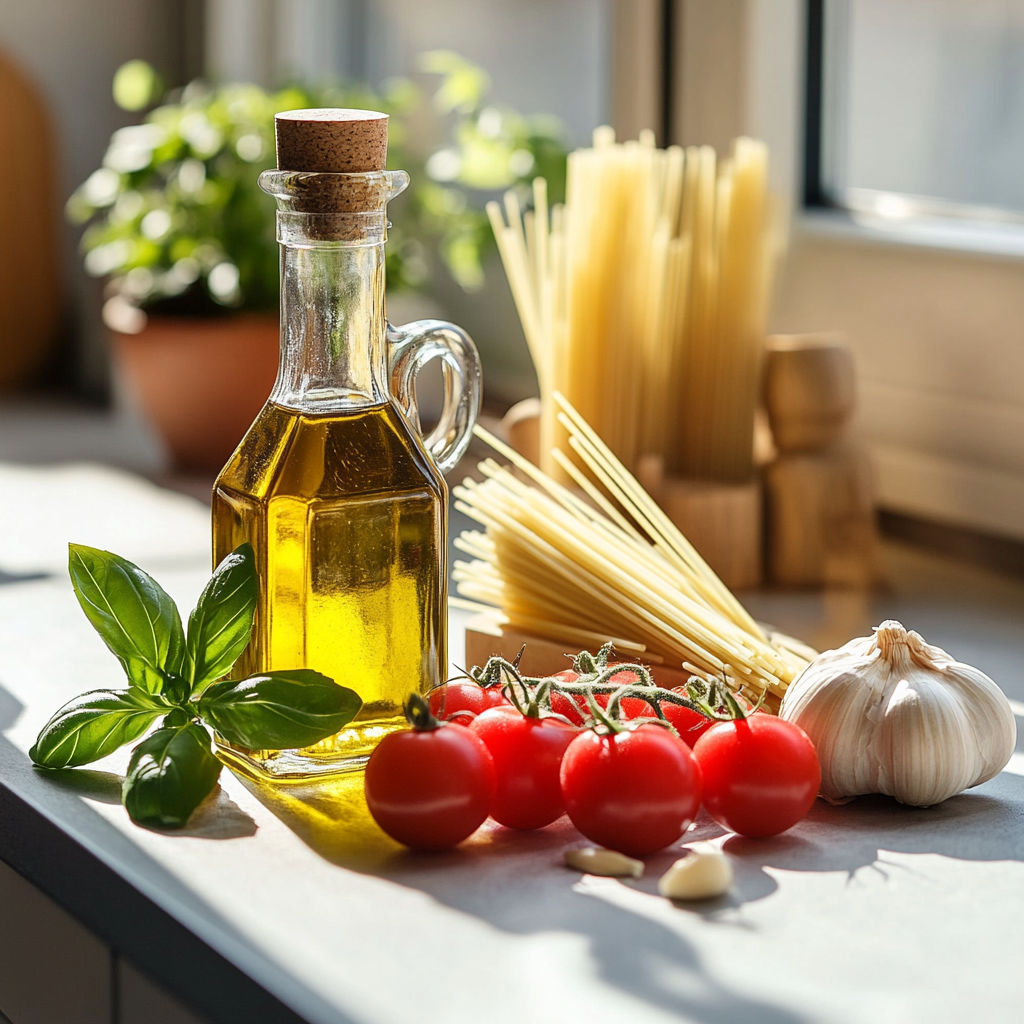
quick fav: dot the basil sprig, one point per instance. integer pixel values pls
(174, 675)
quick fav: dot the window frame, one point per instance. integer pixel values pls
(887, 217)
(935, 320)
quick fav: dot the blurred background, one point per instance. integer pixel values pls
(896, 132)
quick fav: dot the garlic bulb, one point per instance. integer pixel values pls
(891, 714)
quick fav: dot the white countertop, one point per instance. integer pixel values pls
(870, 913)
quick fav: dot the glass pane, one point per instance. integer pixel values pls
(925, 97)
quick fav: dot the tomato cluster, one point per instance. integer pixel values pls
(628, 762)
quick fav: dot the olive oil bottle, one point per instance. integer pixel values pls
(342, 499)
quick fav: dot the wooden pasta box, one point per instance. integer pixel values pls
(543, 657)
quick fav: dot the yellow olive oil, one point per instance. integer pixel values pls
(348, 517)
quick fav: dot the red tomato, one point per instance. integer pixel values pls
(575, 707)
(451, 698)
(527, 754)
(430, 788)
(761, 774)
(690, 725)
(563, 704)
(635, 791)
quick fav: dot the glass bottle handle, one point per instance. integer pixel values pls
(410, 348)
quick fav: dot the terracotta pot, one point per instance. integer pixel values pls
(201, 381)
(31, 291)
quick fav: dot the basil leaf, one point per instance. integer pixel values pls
(219, 628)
(279, 710)
(131, 611)
(169, 776)
(94, 725)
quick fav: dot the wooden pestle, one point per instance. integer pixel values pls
(819, 500)
(809, 390)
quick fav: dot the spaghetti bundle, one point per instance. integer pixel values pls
(644, 298)
(609, 568)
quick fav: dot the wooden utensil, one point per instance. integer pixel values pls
(809, 390)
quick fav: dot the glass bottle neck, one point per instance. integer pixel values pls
(332, 327)
(332, 228)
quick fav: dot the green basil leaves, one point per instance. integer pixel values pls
(173, 675)
(170, 774)
(94, 725)
(279, 710)
(219, 628)
(132, 612)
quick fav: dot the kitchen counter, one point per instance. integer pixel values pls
(287, 903)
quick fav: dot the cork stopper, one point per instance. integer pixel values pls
(331, 139)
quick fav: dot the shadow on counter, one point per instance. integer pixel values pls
(217, 817)
(633, 951)
(630, 952)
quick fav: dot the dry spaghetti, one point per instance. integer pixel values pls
(611, 567)
(644, 298)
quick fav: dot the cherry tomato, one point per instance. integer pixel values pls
(527, 754)
(761, 774)
(446, 701)
(575, 707)
(634, 791)
(563, 704)
(690, 725)
(430, 788)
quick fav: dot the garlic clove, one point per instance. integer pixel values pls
(596, 860)
(700, 875)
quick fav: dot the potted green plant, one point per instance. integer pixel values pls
(185, 238)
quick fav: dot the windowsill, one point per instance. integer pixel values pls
(998, 241)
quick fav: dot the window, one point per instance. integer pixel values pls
(914, 136)
(916, 109)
